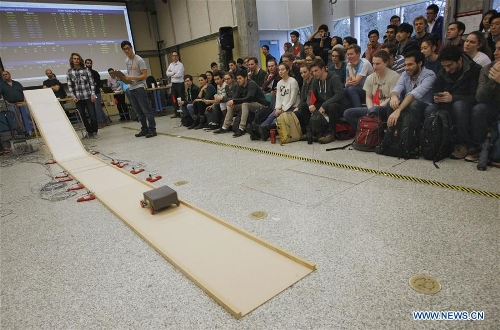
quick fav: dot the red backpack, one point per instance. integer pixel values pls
(369, 134)
(343, 131)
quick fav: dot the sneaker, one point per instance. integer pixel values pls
(211, 127)
(239, 133)
(95, 136)
(303, 137)
(141, 133)
(327, 139)
(221, 130)
(460, 152)
(472, 155)
(151, 134)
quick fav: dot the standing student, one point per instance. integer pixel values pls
(82, 89)
(175, 71)
(101, 117)
(137, 73)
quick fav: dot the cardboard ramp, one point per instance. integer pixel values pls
(237, 269)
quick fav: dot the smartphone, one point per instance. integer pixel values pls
(439, 94)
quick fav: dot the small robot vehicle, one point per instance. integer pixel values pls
(159, 198)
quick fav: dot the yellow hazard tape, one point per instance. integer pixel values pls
(344, 166)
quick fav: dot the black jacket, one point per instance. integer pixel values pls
(462, 85)
(328, 91)
(250, 93)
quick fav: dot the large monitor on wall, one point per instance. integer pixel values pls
(35, 36)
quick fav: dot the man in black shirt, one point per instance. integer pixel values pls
(101, 118)
(55, 84)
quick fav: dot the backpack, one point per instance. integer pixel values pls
(318, 124)
(343, 131)
(435, 139)
(401, 140)
(288, 127)
(495, 144)
(369, 134)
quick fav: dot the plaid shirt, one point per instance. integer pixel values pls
(81, 83)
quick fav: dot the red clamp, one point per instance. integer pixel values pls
(136, 171)
(62, 175)
(114, 162)
(93, 152)
(49, 162)
(85, 198)
(122, 165)
(65, 179)
(153, 178)
(75, 186)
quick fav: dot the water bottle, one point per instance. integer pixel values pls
(309, 135)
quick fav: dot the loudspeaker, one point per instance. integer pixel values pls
(226, 37)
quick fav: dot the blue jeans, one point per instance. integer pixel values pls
(355, 94)
(270, 120)
(416, 108)
(101, 117)
(140, 102)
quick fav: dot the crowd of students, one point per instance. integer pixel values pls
(405, 75)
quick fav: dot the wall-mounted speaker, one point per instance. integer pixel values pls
(226, 37)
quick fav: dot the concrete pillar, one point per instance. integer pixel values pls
(322, 14)
(248, 28)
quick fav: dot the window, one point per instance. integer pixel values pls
(379, 20)
(342, 28)
(496, 5)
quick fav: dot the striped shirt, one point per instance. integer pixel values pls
(81, 84)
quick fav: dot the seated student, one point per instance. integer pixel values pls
(287, 99)
(413, 91)
(232, 66)
(288, 59)
(476, 47)
(373, 45)
(420, 24)
(207, 92)
(405, 44)
(267, 55)
(324, 41)
(336, 40)
(434, 22)
(240, 65)
(210, 78)
(216, 105)
(356, 72)
(287, 47)
(396, 62)
(348, 41)
(428, 47)
(494, 34)
(190, 94)
(309, 50)
(454, 34)
(395, 20)
(484, 114)
(298, 48)
(378, 87)
(214, 66)
(484, 26)
(338, 63)
(390, 35)
(330, 100)
(455, 91)
(248, 98)
(272, 77)
(302, 110)
(254, 72)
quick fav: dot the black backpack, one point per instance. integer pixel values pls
(319, 125)
(435, 140)
(401, 140)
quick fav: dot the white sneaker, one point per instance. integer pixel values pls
(95, 136)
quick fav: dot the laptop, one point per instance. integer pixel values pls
(107, 89)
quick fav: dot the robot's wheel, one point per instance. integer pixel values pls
(151, 210)
(143, 204)
(178, 203)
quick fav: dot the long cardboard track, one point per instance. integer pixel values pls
(237, 269)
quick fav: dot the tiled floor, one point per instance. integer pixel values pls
(75, 265)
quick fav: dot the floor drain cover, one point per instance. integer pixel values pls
(180, 183)
(425, 284)
(257, 215)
